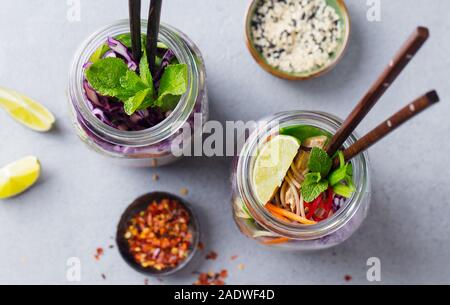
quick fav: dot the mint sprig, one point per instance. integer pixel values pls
(313, 186)
(320, 179)
(319, 162)
(112, 77)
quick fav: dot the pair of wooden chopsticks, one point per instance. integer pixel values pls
(390, 74)
(154, 18)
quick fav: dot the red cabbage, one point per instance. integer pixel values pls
(123, 51)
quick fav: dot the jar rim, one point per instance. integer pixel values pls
(177, 42)
(247, 159)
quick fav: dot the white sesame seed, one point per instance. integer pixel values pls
(296, 35)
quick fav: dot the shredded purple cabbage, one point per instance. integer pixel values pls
(123, 51)
(110, 110)
(167, 58)
(110, 53)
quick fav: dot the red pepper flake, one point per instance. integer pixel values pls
(348, 278)
(99, 253)
(146, 282)
(212, 279)
(201, 246)
(234, 257)
(159, 237)
(224, 274)
(212, 255)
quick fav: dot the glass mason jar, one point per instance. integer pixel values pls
(256, 223)
(150, 147)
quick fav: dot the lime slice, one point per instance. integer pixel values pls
(19, 176)
(26, 111)
(272, 164)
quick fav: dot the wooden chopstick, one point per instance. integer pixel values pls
(396, 66)
(154, 17)
(385, 128)
(135, 28)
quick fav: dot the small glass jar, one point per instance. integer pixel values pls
(257, 223)
(151, 147)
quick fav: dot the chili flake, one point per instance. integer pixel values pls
(212, 255)
(99, 253)
(159, 237)
(212, 279)
(201, 246)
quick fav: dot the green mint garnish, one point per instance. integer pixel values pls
(104, 76)
(111, 77)
(313, 186)
(133, 103)
(173, 84)
(319, 162)
(146, 76)
(320, 178)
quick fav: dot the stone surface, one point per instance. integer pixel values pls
(77, 204)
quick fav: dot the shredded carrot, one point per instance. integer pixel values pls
(280, 217)
(289, 215)
(276, 241)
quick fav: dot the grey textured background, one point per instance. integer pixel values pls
(77, 203)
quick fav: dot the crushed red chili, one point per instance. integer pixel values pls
(159, 237)
(212, 255)
(212, 279)
(201, 246)
(99, 253)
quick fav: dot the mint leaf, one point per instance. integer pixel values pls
(172, 86)
(105, 76)
(312, 178)
(132, 83)
(146, 75)
(313, 187)
(133, 103)
(319, 162)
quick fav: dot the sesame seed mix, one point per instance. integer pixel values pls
(296, 36)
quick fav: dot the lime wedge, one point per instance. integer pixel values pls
(26, 111)
(19, 176)
(272, 164)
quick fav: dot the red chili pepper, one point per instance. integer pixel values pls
(326, 206)
(312, 208)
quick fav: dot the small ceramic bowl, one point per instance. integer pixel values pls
(140, 205)
(340, 8)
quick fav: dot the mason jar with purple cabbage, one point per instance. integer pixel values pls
(122, 111)
(284, 214)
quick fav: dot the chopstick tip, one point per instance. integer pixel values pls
(433, 96)
(423, 31)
